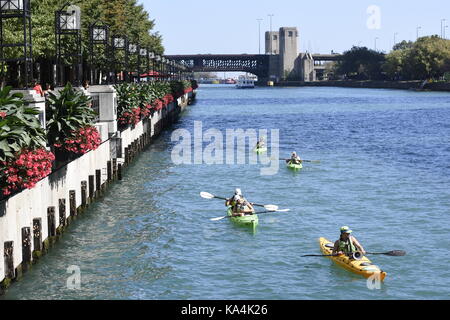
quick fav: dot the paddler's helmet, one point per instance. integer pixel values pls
(294, 153)
(238, 192)
(346, 229)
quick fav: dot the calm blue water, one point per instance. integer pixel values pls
(384, 171)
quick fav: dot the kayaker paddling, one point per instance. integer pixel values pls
(243, 207)
(295, 159)
(347, 244)
(260, 144)
(232, 202)
(239, 205)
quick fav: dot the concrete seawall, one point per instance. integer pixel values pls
(404, 85)
(32, 220)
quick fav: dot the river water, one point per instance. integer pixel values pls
(384, 171)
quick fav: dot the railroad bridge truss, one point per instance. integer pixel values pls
(257, 64)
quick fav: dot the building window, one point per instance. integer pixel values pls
(290, 34)
(275, 37)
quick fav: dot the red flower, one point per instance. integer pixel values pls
(30, 167)
(2, 114)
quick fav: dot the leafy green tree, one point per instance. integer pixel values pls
(428, 57)
(125, 17)
(361, 63)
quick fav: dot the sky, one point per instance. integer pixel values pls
(231, 26)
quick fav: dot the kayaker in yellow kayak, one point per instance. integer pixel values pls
(347, 244)
(295, 159)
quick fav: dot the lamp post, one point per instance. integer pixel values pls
(158, 65)
(142, 54)
(99, 36)
(442, 28)
(132, 49)
(67, 28)
(259, 35)
(271, 36)
(119, 43)
(417, 32)
(18, 12)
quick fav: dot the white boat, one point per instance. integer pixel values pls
(245, 82)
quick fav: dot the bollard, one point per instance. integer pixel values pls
(91, 188)
(127, 157)
(108, 168)
(62, 212)
(119, 171)
(26, 248)
(8, 255)
(98, 181)
(114, 168)
(51, 221)
(72, 203)
(83, 194)
(37, 234)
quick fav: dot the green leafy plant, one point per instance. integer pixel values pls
(68, 111)
(19, 125)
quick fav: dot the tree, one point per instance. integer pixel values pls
(428, 57)
(403, 45)
(124, 17)
(361, 63)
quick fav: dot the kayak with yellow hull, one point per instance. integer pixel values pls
(247, 220)
(363, 266)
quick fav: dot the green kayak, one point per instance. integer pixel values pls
(260, 150)
(248, 220)
(294, 166)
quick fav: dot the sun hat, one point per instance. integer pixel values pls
(346, 229)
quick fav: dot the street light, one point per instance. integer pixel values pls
(18, 15)
(98, 36)
(10, 5)
(417, 32)
(68, 25)
(271, 36)
(259, 35)
(442, 28)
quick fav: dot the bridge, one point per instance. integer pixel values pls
(257, 64)
(282, 60)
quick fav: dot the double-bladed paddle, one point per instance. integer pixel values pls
(393, 253)
(270, 207)
(313, 161)
(220, 218)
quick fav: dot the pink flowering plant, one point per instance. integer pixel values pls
(23, 157)
(70, 121)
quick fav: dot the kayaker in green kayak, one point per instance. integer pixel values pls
(295, 159)
(260, 144)
(232, 202)
(239, 204)
(243, 207)
(347, 244)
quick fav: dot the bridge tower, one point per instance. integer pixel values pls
(288, 51)
(272, 42)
